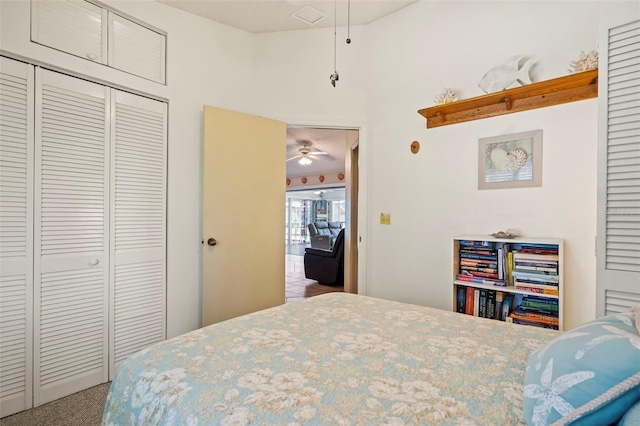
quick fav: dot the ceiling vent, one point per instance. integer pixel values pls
(308, 15)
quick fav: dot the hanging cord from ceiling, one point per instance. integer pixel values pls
(349, 22)
(334, 77)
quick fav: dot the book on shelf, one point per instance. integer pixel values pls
(529, 288)
(540, 270)
(520, 255)
(461, 295)
(482, 309)
(479, 269)
(476, 243)
(536, 284)
(476, 302)
(478, 263)
(543, 307)
(536, 276)
(506, 305)
(532, 323)
(476, 256)
(536, 266)
(491, 304)
(479, 274)
(535, 316)
(469, 302)
(478, 250)
(542, 263)
(540, 299)
(498, 309)
(479, 280)
(539, 248)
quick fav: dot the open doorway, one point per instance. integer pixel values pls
(317, 202)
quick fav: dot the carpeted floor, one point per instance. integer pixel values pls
(80, 409)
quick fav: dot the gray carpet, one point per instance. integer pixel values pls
(80, 409)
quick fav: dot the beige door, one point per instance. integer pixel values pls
(243, 211)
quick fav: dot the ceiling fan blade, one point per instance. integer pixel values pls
(320, 156)
(293, 158)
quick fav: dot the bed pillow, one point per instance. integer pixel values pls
(631, 417)
(589, 375)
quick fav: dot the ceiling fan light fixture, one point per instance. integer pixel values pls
(304, 161)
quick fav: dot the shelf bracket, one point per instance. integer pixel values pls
(508, 102)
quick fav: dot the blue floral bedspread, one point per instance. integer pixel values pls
(336, 359)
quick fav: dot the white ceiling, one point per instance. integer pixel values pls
(260, 16)
(332, 141)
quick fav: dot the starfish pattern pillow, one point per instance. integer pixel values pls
(587, 376)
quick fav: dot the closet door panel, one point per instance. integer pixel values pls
(136, 49)
(73, 26)
(618, 244)
(71, 235)
(138, 213)
(16, 235)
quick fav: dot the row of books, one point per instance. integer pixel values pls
(537, 311)
(529, 267)
(484, 303)
(535, 269)
(482, 262)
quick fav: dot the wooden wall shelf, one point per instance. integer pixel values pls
(570, 88)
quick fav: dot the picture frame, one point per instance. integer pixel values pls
(510, 161)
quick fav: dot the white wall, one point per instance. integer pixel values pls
(409, 57)
(433, 196)
(394, 67)
(292, 71)
(208, 63)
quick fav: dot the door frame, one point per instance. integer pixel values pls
(362, 198)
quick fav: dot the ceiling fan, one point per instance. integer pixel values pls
(306, 155)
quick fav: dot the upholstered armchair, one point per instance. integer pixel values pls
(326, 266)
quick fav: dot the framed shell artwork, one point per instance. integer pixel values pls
(510, 161)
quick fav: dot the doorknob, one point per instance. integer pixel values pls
(211, 242)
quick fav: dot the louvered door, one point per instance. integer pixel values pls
(136, 49)
(71, 235)
(16, 235)
(618, 251)
(138, 200)
(74, 26)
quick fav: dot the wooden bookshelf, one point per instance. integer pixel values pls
(570, 88)
(513, 245)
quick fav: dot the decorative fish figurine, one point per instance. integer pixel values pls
(504, 75)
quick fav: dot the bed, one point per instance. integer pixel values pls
(338, 359)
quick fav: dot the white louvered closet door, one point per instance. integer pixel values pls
(71, 235)
(16, 235)
(138, 216)
(618, 251)
(136, 49)
(74, 26)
